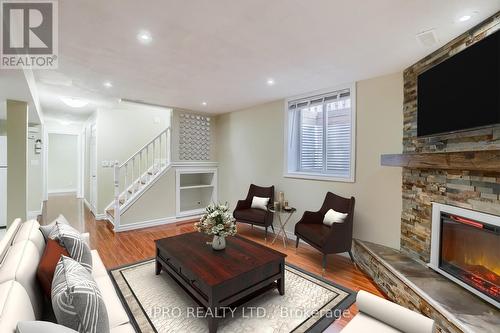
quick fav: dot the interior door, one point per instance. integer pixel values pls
(93, 168)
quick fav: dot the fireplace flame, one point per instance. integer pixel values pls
(482, 260)
(472, 254)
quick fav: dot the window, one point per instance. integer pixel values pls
(320, 136)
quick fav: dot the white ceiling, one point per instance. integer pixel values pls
(223, 51)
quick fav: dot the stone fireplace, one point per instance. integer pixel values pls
(459, 173)
(466, 249)
(462, 186)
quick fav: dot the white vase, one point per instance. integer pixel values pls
(219, 243)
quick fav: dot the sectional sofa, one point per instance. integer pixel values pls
(21, 298)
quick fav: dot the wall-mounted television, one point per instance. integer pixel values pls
(462, 92)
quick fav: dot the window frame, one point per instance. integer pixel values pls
(288, 170)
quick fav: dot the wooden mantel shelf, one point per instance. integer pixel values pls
(487, 160)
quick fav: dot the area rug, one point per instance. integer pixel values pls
(156, 303)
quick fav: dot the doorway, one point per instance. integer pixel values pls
(93, 169)
(63, 164)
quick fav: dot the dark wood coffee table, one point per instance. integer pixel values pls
(219, 279)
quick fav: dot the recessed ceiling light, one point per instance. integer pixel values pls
(204, 103)
(107, 84)
(270, 82)
(464, 18)
(74, 102)
(144, 37)
(65, 122)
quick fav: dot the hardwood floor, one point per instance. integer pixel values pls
(123, 248)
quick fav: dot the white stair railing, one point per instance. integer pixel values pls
(139, 170)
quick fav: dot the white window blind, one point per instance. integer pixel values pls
(311, 139)
(321, 135)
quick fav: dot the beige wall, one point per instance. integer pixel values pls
(3, 127)
(62, 163)
(157, 203)
(17, 157)
(121, 133)
(250, 150)
(35, 175)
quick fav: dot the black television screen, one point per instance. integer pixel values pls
(462, 92)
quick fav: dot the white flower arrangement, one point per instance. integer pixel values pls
(217, 220)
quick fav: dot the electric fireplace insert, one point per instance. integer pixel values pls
(468, 252)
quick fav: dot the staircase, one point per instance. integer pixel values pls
(136, 175)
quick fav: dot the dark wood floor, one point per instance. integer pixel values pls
(122, 248)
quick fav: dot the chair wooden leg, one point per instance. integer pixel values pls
(265, 237)
(297, 244)
(324, 263)
(350, 255)
(272, 227)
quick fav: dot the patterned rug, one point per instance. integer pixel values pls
(156, 303)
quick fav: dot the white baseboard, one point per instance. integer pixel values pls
(100, 216)
(62, 191)
(86, 203)
(153, 223)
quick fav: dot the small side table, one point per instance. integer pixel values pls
(280, 213)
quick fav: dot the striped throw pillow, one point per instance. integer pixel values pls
(70, 238)
(76, 299)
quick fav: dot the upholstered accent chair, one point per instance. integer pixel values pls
(244, 213)
(326, 239)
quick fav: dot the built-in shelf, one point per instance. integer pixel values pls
(196, 188)
(486, 160)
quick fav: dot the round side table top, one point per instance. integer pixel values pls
(289, 210)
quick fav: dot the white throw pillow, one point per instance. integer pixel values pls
(260, 203)
(333, 216)
(47, 229)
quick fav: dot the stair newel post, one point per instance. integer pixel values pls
(133, 174)
(140, 168)
(168, 148)
(126, 180)
(147, 162)
(154, 154)
(116, 173)
(161, 150)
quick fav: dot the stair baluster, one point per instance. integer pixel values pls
(116, 174)
(129, 184)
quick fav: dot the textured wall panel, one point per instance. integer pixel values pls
(194, 137)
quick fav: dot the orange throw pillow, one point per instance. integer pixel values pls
(48, 263)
